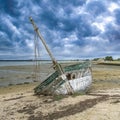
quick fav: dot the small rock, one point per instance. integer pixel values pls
(48, 100)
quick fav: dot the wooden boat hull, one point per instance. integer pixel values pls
(78, 77)
(78, 85)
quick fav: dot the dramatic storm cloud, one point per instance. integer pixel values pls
(72, 29)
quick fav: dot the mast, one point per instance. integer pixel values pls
(42, 39)
(56, 65)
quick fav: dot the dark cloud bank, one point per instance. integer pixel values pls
(72, 29)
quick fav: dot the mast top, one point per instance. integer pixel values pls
(42, 39)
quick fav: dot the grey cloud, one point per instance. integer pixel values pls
(83, 27)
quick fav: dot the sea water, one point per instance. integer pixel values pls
(13, 76)
(17, 63)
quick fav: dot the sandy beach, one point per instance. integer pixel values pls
(101, 102)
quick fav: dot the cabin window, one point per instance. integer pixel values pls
(73, 76)
(68, 76)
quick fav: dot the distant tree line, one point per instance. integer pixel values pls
(118, 59)
(107, 58)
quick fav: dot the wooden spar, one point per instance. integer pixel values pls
(56, 65)
(42, 39)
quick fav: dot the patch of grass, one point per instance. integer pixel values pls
(19, 84)
(10, 84)
(58, 97)
(2, 78)
(28, 77)
(79, 93)
(26, 82)
(116, 63)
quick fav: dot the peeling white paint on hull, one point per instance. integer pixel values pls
(78, 85)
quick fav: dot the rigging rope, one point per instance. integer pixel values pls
(37, 56)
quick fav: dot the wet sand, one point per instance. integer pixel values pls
(101, 102)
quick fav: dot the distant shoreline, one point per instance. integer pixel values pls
(40, 60)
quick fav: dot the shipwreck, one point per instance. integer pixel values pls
(65, 80)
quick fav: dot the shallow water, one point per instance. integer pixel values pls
(13, 77)
(17, 63)
(14, 72)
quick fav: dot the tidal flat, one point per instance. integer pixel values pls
(19, 102)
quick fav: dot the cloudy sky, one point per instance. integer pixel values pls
(72, 29)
